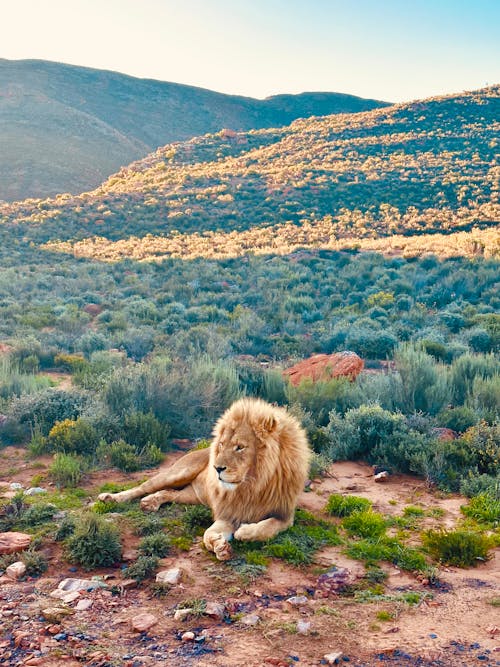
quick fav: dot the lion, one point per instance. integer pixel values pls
(250, 476)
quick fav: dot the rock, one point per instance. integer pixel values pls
(336, 580)
(80, 584)
(172, 576)
(130, 555)
(188, 636)
(493, 630)
(303, 627)
(61, 636)
(125, 584)
(56, 614)
(15, 486)
(142, 622)
(16, 570)
(381, 476)
(444, 434)
(182, 614)
(12, 542)
(297, 600)
(65, 596)
(324, 367)
(332, 658)
(250, 619)
(84, 604)
(215, 610)
(32, 662)
(35, 490)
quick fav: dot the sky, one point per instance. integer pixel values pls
(394, 50)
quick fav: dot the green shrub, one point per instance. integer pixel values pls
(462, 548)
(319, 398)
(318, 465)
(65, 528)
(143, 568)
(94, 543)
(157, 544)
(36, 563)
(425, 386)
(482, 441)
(367, 524)
(343, 506)
(73, 436)
(466, 369)
(47, 407)
(484, 509)
(196, 517)
(66, 470)
(143, 430)
(387, 549)
(119, 454)
(459, 419)
(34, 515)
(473, 485)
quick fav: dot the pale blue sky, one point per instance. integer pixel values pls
(386, 49)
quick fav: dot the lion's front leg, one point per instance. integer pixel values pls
(216, 539)
(262, 530)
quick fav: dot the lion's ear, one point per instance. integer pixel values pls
(268, 424)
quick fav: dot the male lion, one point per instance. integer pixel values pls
(250, 477)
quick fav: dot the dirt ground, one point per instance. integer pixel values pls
(455, 625)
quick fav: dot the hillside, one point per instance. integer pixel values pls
(422, 167)
(66, 128)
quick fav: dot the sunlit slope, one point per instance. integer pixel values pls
(423, 167)
(66, 128)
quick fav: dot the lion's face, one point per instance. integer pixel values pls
(233, 454)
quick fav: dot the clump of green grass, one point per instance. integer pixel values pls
(197, 606)
(318, 465)
(462, 548)
(94, 543)
(413, 511)
(35, 515)
(367, 524)
(484, 509)
(387, 549)
(385, 616)
(196, 518)
(35, 562)
(143, 568)
(65, 528)
(494, 602)
(144, 523)
(157, 545)
(343, 506)
(66, 470)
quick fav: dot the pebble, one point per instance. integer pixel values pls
(182, 614)
(332, 658)
(188, 636)
(15, 486)
(16, 570)
(56, 614)
(84, 604)
(250, 619)
(70, 584)
(35, 490)
(65, 596)
(297, 600)
(381, 476)
(142, 622)
(215, 610)
(172, 576)
(61, 636)
(303, 627)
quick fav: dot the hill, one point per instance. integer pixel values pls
(66, 128)
(422, 167)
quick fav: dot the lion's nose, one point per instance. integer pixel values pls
(220, 469)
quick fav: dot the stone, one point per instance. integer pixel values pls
(15, 486)
(56, 614)
(172, 576)
(297, 600)
(130, 555)
(65, 596)
(336, 580)
(332, 658)
(215, 610)
(12, 542)
(84, 604)
(182, 614)
(324, 367)
(188, 636)
(34, 491)
(80, 584)
(143, 621)
(125, 584)
(381, 476)
(303, 627)
(16, 570)
(250, 619)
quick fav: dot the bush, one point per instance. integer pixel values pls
(35, 515)
(47, 407)
(484, 508)
(319, 398)
(196, 517)
(141, 430)
(343, 506)
(459, 419)
(462, 548)
(94, 543)
(157, 544)
(466, 369)
(124, 456)
(143, 568)
(483, 443)
(73, 437)
(66, 470)
(424, 383)
(365, 524)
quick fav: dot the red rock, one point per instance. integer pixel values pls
(445, 434)
(142, 622)
(12, 542)
(324, 367)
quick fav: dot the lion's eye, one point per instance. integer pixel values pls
(239, 448)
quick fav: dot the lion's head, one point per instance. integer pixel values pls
(258, 450)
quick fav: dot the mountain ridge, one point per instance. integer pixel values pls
(40, 144)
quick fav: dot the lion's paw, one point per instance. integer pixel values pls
(246, 532)
(217, 543)
(151, 503)
(107, 497)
